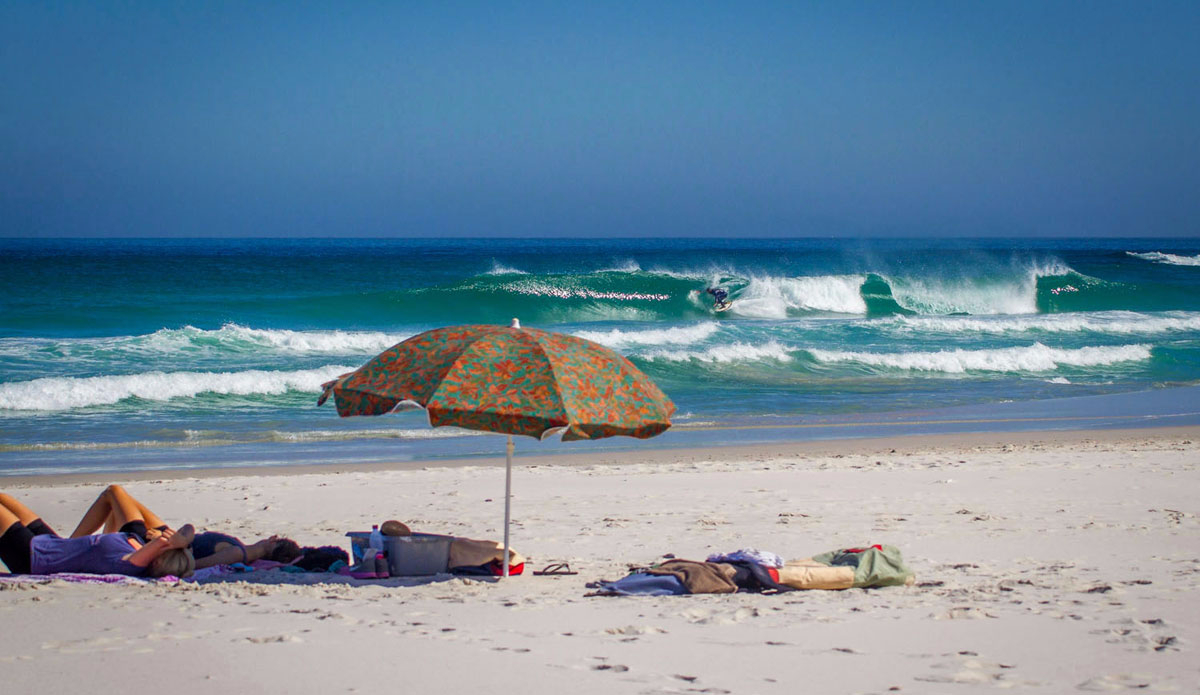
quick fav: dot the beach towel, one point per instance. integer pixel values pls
(83, 578)
(640, 584)
(700, 577)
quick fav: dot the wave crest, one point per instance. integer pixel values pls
(65, 393)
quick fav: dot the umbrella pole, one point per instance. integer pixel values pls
(507, 496)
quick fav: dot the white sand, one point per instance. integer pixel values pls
(1052, 563)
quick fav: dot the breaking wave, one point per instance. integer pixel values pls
(780, 297)
(230, 339)
(1168, 258)
(618, 339)
(65, 393)
(1110, 323)
(1032, 358)
(731, 352)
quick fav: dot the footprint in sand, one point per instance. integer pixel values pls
(635, 630)
(1141, 635)
(272, 639)
(1121, 681)
(968, 668)
(963, 612)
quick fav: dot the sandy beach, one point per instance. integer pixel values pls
(1048, 562)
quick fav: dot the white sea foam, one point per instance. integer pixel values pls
(64, 393)
(499, 268)
(194, 438)
(1032, 358)
(192, 342)
(1168, 258)
(730, 352)
(708, 275)
(541, 289)
(311, 342)
(101, 446)
(1112, 323)
(774, 297)
(621, 340)
(626, 266)
(339, 435)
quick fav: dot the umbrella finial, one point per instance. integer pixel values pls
(516, 323)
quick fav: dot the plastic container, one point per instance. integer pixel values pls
(420, 554)
(376, 541)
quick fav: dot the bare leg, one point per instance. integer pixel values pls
(112, 509)
(7, 519)
(151, 519)
(12, 511)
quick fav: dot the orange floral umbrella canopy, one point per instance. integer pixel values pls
(508, 380)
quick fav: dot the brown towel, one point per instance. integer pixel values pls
(700, 577)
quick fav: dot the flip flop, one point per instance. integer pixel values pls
(557, 568)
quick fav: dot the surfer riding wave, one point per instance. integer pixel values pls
(721, 300)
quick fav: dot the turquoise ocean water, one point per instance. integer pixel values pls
(128, 354)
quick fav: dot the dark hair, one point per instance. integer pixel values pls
(285, 551)
(319, 559)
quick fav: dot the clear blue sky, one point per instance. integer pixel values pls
(599, 119)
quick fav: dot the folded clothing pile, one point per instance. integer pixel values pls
(753, 570)
(848, 568)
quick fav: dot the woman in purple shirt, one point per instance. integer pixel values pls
(29, 546)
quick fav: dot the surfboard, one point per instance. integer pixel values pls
(722, 306)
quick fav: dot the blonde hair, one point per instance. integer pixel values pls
(176, 561)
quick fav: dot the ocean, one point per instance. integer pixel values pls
(120, 355)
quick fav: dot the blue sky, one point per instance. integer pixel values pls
(599, 119)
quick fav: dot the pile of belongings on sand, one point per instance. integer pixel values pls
(755, 570)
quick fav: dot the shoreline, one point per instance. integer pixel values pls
(895, 445)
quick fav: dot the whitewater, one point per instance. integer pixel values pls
(180, 353)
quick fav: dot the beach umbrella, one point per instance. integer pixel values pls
(509, 380)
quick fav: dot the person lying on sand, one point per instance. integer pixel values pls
(212, 548)
(209, 548)
(29, 546)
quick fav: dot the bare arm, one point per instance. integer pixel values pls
(143, 556)
(227, 554)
